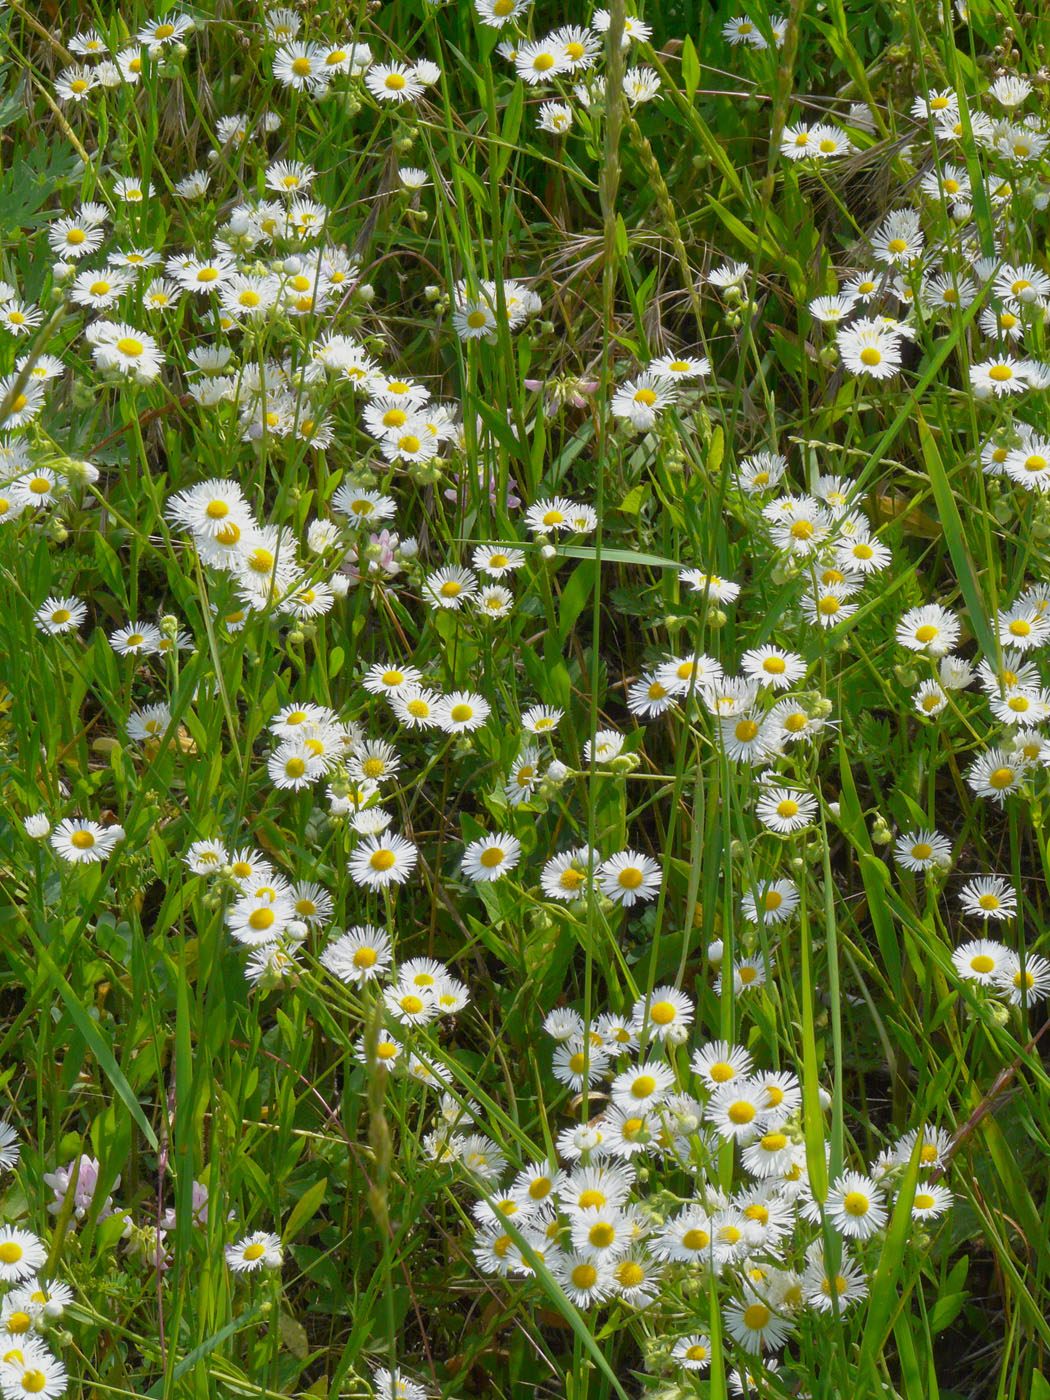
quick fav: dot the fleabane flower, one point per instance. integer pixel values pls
(640, 401)
(259, 1250)
(383, 860)
(629, 877)
(988, 897)
(491, 857)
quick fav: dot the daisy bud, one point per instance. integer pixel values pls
(715, 950)
(880, 834)
(624, 763)
(548, 552)
(717, 618)
(431, 293)
(366, 292)
(78, 473)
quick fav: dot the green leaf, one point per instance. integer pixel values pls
(690, 68)
(633, 501)
(305, 1209)
(574, 596)
(884, 1302)
(293, 1335)
(951, 520)
(246, 1319)
(95, 1040)
(622, 245)
(619, 556)
(502, 152)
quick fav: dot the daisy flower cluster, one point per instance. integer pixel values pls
(929, 267)
(532, 676)
(635, 1206)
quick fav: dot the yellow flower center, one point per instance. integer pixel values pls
(922, 850)
(492, 857)
(584, 1276)
(394, 82)
(696, 1239)
(83, 841)
(601, 1236)
(721, 1072)
(741, 1112)
(128, 345)
(381, 860)
(787, 808)
(461, 713)
(629, 1274)
(897, 245)
(301, 67)
(261, 919)
(646, 397)
(629, 878)
(856, 1203)
(746, 730)
(756, 1317)
(591, 1197)
(1001, 778)
(870, 356)
(11, 1251)
(1000, 373)
(643, 1086)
